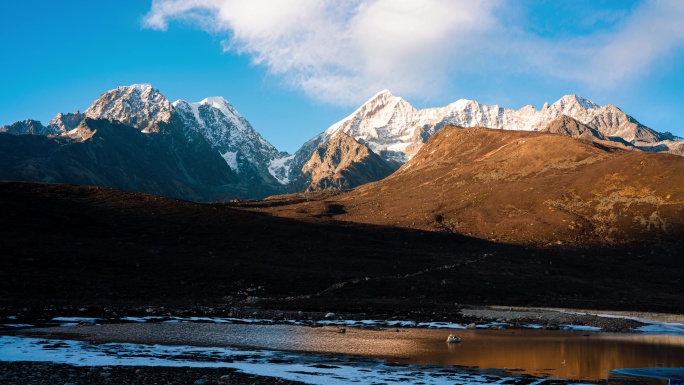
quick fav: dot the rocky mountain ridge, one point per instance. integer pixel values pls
(213, 119)
(387, 122)
(386, 125)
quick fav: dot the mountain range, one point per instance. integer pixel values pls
(133, 138)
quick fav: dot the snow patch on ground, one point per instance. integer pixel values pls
(580, 328)
(662, 328)
(651, 326)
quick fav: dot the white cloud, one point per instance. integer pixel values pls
(343, 52)
(607, 58)
(340, 52)
(652, 32)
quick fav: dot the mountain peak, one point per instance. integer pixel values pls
(139, 105)
(383, 95)
(65, 122)
(216, 102)
(142, 87)
(573, 99)
(219, 103)
(342, 163)
(26, 127)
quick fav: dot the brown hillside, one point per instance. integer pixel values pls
(524, 188)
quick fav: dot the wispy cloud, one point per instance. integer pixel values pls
(342, 52)
(652, 32)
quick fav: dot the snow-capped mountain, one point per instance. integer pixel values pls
(260, 167)
(227, 132)
(243, 148)
(390, 124)
(140, 105)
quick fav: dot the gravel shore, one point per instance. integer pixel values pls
(40, 373)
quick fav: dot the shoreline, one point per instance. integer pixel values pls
(467, 317)
(484, 317)
(92, 362)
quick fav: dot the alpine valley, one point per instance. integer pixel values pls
(454, 215)
(133, 138)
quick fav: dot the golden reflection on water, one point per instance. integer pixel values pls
(578, 355)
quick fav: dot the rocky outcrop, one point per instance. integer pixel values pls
(342, 163)
(565, 125)
(66, 122)
(140, 105)
(27, 127)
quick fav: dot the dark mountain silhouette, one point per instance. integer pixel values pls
(110, 154)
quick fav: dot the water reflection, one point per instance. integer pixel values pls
(560, 354)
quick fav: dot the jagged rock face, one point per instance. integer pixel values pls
(232, 136)
(254, 159)
(140, 105)
(380, 123)
(27, 127)
(613, 123)
(565, 125)
(342, 163)
(66, 122)
(670, 146)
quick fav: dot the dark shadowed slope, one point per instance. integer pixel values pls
(90, 247)
(168, 162)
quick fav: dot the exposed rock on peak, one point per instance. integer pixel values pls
(565, 125)
(572, 101)
(62, 123)
(247, 153)
(140, 105)
(26, 127)
(342, 163)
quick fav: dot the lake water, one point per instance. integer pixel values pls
(558, 354)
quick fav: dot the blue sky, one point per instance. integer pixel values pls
(295, 67)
